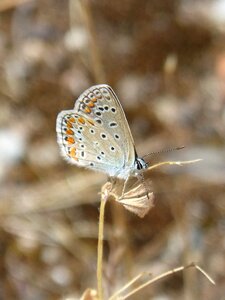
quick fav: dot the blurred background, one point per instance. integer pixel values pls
(166, 62)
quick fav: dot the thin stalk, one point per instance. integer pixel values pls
(95, 55)
(166, 274)
(10, 4)
(126, 286)
(100, 249)
(178, 163)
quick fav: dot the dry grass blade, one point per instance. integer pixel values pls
(166, 274)
(205, 274)
(95, 56)
(178, 163)
(104, 198)
(126, 286)
(9, 4)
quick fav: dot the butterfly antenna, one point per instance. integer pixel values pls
(164, 151)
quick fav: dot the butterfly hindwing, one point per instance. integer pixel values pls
(84, 143)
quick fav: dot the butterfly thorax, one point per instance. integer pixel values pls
(138, 165)
(129, 170)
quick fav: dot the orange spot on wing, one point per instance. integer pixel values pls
(90, 104)
(81, 120)
(70, 140)
(69, 125)
(72, 120)
(91, 122)
(94, 99)
(69, 131)
(73, 153)
(87, 110)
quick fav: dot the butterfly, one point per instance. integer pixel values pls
(96, 135)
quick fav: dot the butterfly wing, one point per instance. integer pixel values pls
(96, 133)
(102, 105)
(84, 143)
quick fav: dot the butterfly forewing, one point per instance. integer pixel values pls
(102, 105)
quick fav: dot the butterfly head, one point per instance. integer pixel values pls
(140, 164)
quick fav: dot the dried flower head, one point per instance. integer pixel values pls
(133, 194)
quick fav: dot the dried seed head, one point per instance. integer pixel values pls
(134, 198)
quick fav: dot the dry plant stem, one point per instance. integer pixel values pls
(178, 163)
(166, 274)
(100, 248)
(94, 52)
(114, 296)
(9, 4)
(183, 223)
(205, 274)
